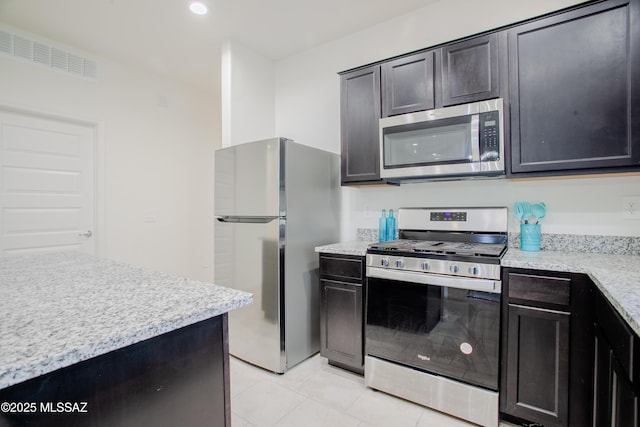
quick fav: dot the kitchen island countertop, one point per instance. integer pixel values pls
(62, 308)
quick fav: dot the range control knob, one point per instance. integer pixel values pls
(425, 266)
(474, 270)
(384, 262)
(399, 263)
(454, 268)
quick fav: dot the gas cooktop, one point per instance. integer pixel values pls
(441, 247)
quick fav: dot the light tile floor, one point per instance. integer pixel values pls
(316, 394)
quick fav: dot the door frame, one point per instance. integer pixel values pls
(99, 163)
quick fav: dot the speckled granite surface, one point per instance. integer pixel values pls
(615, 245)
(367, 234)
(357, 247)
(59, 309)
(617, 276)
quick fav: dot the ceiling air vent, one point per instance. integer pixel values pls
(37, 52)
(22, 47)
(41, 53)
(5, 42)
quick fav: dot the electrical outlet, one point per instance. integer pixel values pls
(631, 207)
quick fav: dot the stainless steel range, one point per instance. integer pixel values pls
(433, 310)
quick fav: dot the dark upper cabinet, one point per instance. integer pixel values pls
(574, 95)
(408, 84)
(470, 70)
(359, 115)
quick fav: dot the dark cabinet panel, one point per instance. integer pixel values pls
(408, 84)
(539, 289)
(602, 381)
(619, 335)
(470, 70)
(179, 378)
(574, 88)
(359, 115)
(547, 322)
(538, 365)
(342, 311)
(626, 399)
(342, 268)
(616, 396)
(341, 324)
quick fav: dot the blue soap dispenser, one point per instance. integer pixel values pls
(391, 226)
(382, 227)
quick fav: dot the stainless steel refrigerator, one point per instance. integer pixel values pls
(275, 201)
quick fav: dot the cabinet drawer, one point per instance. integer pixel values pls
(342, 267)
(540, 289)
(617, 333)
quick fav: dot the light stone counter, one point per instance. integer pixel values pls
(617, 276)
(59, 309)
(356, 247)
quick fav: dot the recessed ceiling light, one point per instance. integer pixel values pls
(198, 8)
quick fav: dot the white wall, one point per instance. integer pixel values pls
(158, 158)
(248, 95)
(308, 102)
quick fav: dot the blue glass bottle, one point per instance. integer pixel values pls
(382, 227)
(391, 226)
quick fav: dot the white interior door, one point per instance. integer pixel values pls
(47, 185)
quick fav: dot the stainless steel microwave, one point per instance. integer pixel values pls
(458, 141)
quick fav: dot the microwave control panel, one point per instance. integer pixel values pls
(490, 136)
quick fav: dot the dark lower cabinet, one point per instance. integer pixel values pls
(617, 392)
(538, 365)
(574, 83)
(545, 373)
(359, 115)
(342, 313)
(180, 378)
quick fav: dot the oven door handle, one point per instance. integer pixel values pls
(482, 285)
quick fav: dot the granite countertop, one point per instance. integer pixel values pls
(355, 247)
(617, 276)
(62, 308)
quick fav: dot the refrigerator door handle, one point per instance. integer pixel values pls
(247, 219)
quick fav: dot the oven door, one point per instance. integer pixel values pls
(444, 325)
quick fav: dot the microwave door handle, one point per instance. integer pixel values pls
(475, 138)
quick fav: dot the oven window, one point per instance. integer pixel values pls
(447, 331)
(426, 143)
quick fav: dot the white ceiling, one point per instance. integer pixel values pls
(165, 37)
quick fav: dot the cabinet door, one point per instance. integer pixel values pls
(537, 371)
(359, 114)
(602, 382)
(625, 401)
(341, 324)
(470, 70)
(615, 399)
(574, 90)
(615, 394)
(408, 84)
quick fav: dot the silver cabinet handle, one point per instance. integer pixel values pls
(86, 234)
